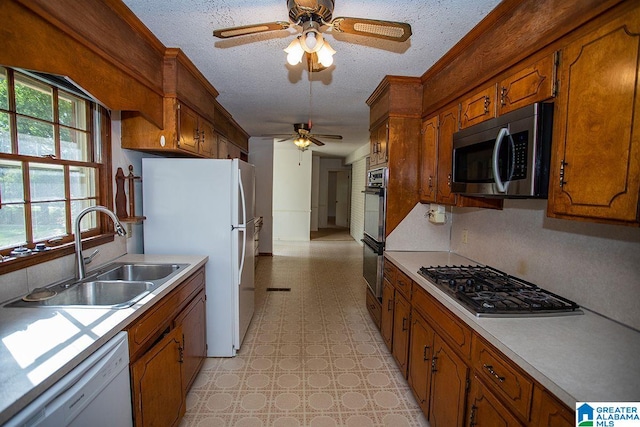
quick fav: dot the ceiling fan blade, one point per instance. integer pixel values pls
(279, 135)
(226, 33)
(287, 139)
(315, 141)
(337, 137)
(388, 30)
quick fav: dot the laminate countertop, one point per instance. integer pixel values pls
(579, 358)
(40, 345)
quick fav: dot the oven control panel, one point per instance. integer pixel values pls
(377, 178)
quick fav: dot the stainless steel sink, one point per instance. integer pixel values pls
(117, 285)
(135, 272)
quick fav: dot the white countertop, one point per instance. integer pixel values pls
(41, 345)
(579, 358)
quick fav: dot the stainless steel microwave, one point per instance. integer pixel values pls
(507, 156)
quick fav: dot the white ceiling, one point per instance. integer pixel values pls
(266, 95)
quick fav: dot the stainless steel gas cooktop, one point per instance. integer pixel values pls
(488, 292)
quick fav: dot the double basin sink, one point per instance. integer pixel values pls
(117, 285)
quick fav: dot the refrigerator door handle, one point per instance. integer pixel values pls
(242, 227)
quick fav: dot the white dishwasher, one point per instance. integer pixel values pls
(95, 393)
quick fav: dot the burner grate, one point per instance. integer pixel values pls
(485, 290)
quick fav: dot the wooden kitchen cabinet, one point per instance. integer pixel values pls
(485, 409)
(531, 84)
(420, 354)
(478, 107)
(386, 317)
(596, 159)
(429, 160)
(401, 324)
(448, 125)
(208, 140)
(549, 412)
(156, 380)
(180, 135)
(448, 386)
(167, 347)
(394, 126)
(192, 321)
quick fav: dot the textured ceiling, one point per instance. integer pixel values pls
(266, 95)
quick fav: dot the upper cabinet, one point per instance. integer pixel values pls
(528, 85)
(394, 125)
(478, 107)
(192, 118)
(596, 161)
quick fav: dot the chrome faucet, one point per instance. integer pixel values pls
(79, 257)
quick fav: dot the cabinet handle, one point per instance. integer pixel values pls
(503, 96)
(433, 364)
(389, 305)
(430, 181)
(472, 417)
(424, 353)
(449, 180)
(181, 350)
(562, 165)
(404, 324)
(487, 101)
(489, 368)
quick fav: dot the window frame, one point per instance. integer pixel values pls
(99, 145)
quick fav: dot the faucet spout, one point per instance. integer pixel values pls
(78, 240)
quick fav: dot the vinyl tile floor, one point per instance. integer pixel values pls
(312, 356)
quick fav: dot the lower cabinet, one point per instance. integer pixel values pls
(157, 383)
(386, 316)
(420, 353)
(401, 320)
(449, 377)
(167, 347)
(486, 410)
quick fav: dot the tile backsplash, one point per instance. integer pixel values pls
(596, 265)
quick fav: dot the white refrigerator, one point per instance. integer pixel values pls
(206, 207)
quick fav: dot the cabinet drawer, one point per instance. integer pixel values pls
(374, 307)
(501, 376)
(154, 321)
(389, 271)
(453, 330)
(478, 107)
(403, 284)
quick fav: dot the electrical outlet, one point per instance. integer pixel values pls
(465, 236)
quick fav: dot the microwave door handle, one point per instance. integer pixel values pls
(502, 187)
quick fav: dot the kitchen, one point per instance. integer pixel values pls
(576, 255)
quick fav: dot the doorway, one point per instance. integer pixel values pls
(339, 199)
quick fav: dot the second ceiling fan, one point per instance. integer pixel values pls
(312, 15)
(303, 137)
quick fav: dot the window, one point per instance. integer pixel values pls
(52, 160)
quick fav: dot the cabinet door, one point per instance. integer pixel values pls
(223, 147)
(373, 148)
(548, 412)
(448, 386)
(596, 162)
(188, 134)
(420, 352)
(194, 338)
(401, 320)
(386, 318)
(478, 107)
(383, 142)
(429, 160)
(374, 307)
(448, 126)
(208, 140)
(532, 84)
(156, 380)
(486, 410)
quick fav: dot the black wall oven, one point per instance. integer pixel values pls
(374, 229)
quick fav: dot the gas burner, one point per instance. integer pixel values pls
(486, 291)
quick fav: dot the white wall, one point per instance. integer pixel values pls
(416, 233)
(291, 192)
(358, 182)
(261, 156)
(596, 265)
(315, 192)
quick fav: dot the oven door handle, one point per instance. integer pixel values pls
(376, 247)
(374, 191)
(502, 187)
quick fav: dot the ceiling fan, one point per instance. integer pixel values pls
(303, 137)
(312, 15)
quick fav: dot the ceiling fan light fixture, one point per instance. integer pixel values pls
(313, 41)
(302, 143)
(325, 55)
(294, 52)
